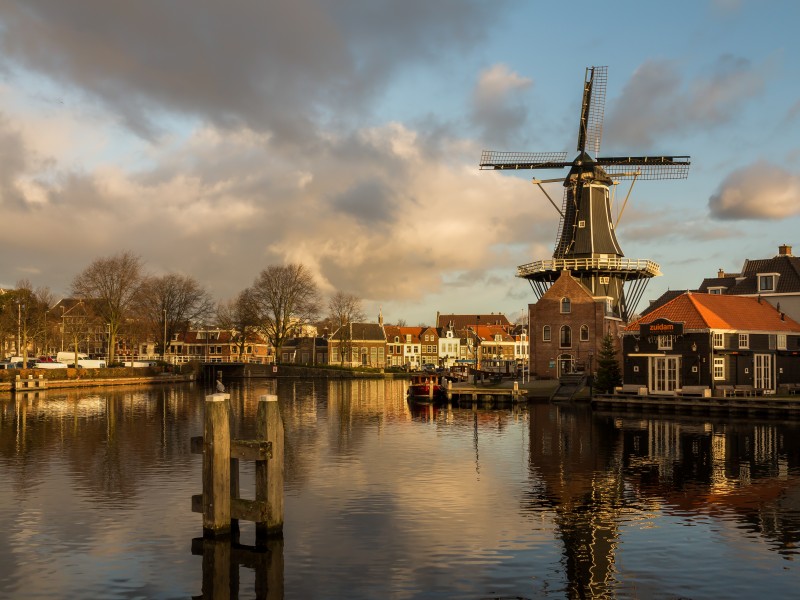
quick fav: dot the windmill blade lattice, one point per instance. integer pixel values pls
(597, 79)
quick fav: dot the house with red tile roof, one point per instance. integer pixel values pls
(775, 279)
(712, 341)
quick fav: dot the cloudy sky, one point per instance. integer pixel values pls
(216, 138)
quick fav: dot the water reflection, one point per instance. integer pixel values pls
(390, 499)
(603, 474)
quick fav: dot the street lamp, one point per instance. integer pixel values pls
(45, 332)
(164, 347)
(19, 322)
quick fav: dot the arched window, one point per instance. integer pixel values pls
(565, 339)
(546, 333)
(566, 306)
(584, 333)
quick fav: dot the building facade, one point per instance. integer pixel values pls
(712, 341)
(567, 326)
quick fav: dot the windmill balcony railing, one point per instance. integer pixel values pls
(648, 268)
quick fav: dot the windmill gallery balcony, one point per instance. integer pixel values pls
(635, 268)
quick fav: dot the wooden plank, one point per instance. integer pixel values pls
(241, 449)
(256, 511)
(251, 449)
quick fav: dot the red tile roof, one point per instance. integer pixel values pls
(714, 311)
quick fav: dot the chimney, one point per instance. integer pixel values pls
(784, 250)
(720, 273)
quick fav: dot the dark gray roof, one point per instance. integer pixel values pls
(788, 267)
(365, 331)
(662, 300)
(716, 282)
(463, 321)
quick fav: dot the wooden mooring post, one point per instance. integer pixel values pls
(30, 384)
(220, 503)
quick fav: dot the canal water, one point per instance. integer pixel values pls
(388, 500)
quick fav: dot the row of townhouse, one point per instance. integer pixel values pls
(368, 344)
(483, 340)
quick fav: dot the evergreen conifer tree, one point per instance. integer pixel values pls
(608, 371)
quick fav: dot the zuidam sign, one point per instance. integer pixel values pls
(661, 327)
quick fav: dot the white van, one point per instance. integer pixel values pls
(50, 365)
(85, 363)
(69, 357)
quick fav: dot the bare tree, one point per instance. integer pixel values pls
(76, 324)
(285, 297)
(240, 317)
(344, 309)
(111, 284)
(169, 303)
(23, 314)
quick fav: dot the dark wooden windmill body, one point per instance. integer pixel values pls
(586, 243)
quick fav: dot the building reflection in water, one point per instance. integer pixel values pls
(598, 472)
(593, 474)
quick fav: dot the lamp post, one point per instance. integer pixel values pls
(19, 328)
(164, 347)
(45, 332)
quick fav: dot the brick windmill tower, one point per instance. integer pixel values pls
(586, 247)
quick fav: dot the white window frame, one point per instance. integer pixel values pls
(665, 342)
(584, 338)
(718, 339)
(566, 303)
(546, 333)
(781, 341)
(744, 341)
(773, 279)
(719, 368)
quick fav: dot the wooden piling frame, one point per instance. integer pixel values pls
(220, 503)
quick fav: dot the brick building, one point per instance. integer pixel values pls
(567, 326)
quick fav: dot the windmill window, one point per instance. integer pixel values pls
(581, 224)
(546, 333)
(566, 306)
(565, 340)
(604, 280)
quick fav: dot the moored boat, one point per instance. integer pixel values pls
(425, 388)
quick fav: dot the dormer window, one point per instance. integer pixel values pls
(566, 306)
(767, 282)
(715, 290)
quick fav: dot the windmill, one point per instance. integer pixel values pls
(586, 243)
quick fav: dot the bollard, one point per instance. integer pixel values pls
(269, 473)
(217, 466)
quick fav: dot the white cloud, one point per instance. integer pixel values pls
(758, 191)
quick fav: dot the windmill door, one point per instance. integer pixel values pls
(763, 372)
(664, 374)
(566, 364)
